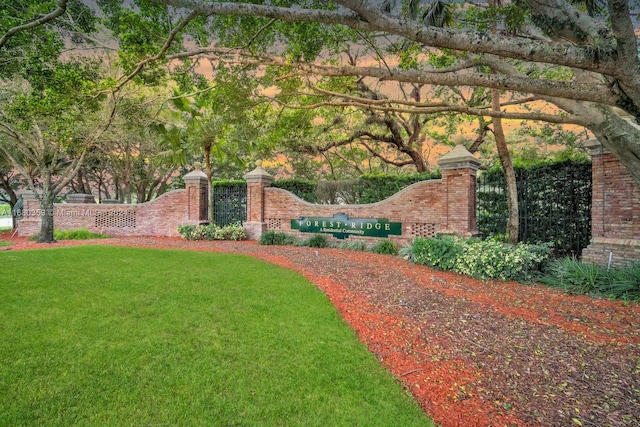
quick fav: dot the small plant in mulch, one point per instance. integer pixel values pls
(354, 245)
(316, 241)
(277, 238)
(385, 247)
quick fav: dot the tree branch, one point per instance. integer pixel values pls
(591, 92)
(61, 7)
(398, 163)
(174, 33)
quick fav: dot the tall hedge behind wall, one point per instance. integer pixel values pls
(366, 189)
(554, 203)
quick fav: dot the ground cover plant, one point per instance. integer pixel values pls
(77, 234)
(99, 335)
(575, 277)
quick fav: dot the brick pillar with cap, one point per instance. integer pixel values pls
(197, 188)
(459, 169)
(615, 210)
(257, 180)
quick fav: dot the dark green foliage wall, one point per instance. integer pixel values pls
(373, 188)
(554, 203)
(302, 188)
(366, 189)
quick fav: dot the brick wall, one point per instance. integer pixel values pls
(424, 209)
(159, 217)
(615, 217)
(425, 218)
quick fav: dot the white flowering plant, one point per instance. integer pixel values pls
(212, 232)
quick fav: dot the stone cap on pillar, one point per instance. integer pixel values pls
(595, 147)
(459, 158)
(28, 194)
(258, 175)
(196, 176)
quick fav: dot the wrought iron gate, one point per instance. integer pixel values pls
(229, 202)
(554, 201)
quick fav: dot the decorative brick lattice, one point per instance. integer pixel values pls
(274, 224)
(423, 230)
(116, 219)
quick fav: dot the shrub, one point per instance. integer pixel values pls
(212, 232)
(440, 253)
(385, 247)
(231, 232)
(273, 238)
(316, 241)
(490, 259)
(187, 231)
(485, 260)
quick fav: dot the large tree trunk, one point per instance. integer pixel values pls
(513, 221)
(46, 227)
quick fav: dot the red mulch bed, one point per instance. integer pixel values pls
(472, 353)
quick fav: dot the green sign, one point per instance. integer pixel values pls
(341, 226)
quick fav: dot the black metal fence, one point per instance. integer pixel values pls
(229, 202)
(554, 204)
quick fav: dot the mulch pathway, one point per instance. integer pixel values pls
(472, 353)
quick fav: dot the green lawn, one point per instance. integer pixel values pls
(112, 336)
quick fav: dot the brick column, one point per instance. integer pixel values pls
(197, 196)
(30, 218)
(257, 180)
(615, 210)
(459, 168)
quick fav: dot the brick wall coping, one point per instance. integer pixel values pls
(612, 241)
(30, 195)
(381, 202)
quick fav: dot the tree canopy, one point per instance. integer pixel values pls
(580, 57)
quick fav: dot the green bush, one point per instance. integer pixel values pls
(212, 232)
(490, 259)
(482, 259)
(575, 277)
(385, 247)
(441, 252)
(316, 241)
(273, 238)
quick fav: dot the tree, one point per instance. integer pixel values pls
(42, 132)
(214, 124)
(582, 60)
(47, 134)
